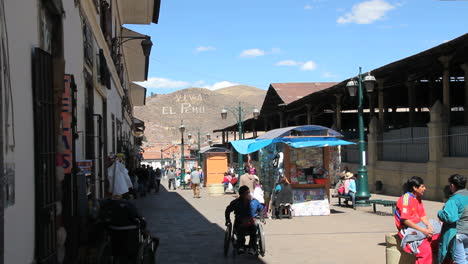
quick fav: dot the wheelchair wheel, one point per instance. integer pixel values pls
(104, 253)
(261, 240)
(227, 239)
(146, 254)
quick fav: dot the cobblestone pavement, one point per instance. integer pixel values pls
(191, 231)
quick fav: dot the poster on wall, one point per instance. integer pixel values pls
(66, 124)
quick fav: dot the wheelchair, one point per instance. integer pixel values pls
(230, 239)
(142, 250)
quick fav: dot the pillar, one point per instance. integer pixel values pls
(410, 85)
(282, 119)
(437, 143)
(224, 137)
(338, 111)
(265, 124)
(445, 60)
(372, 149)
(309, 113)
(380, 88)
(465, 106)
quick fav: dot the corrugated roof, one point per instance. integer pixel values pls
(290, 92)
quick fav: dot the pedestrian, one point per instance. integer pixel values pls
(247, 179)
(349, 176)
(142, 180)
(419, 234)
(454, 235)
(171, 176)
(151, 179)
(158, 176)
(195, 180)
(202, 177)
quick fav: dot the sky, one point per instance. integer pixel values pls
(218, 43)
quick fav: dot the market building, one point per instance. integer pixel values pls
(67, 97)
(415, 119)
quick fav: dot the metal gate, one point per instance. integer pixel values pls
(44, 157)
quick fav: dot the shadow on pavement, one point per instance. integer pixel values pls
(186, 236)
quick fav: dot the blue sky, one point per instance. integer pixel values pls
(216, 43)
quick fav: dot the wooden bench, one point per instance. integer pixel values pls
(385, 203)
(342, 196)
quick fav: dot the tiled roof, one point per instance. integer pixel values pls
(290, 92)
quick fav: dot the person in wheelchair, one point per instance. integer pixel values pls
(245, 210)
(124, 223)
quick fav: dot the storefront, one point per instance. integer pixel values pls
(308, 156)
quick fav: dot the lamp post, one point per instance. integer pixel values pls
(161, 158)
(238, 113)
(182, 158)
(362, 194)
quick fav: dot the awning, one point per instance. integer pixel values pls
(307, 130)
(137, 63)
(139, 11)
(137, 94)
(214, 150)
(253, 145)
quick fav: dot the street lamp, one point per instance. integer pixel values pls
(362, 194)
(238, 113)
(162, 158)
(182, 158)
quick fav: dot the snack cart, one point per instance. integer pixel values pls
(308, 156)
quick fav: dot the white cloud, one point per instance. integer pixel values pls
(366, 12)
(251, 53)
(329, 75)
(204, 48)
(309, 66)
(305, 66)
(308, 7)
(157, 82)
(275, 50)
(289, 63)
(219, 85)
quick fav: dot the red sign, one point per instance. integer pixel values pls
(66, 120)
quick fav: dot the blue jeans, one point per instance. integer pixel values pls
(353, 198)
(460, 249)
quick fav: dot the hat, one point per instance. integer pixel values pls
(349, 175)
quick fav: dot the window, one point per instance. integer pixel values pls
(88, 44)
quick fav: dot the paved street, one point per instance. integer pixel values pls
(191, 231)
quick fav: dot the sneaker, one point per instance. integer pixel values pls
(240, 250)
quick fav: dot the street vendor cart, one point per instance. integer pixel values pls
(307, 156)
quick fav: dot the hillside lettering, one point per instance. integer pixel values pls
(185, 108)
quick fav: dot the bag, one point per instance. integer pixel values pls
(230, 187)
(177, 182)
(341, 190)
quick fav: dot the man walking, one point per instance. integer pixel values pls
(157, 177)
(247, 179)
(195, 180)
(171, 175)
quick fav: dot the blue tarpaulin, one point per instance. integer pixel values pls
(252, 145)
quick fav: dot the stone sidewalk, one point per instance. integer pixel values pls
(191, 231)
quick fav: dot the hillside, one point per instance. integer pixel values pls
(199, 108)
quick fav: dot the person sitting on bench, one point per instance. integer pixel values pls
(350, 179)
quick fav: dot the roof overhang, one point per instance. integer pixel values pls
(139, 11)
(137, 94)
(137, 63)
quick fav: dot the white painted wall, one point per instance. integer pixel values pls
(22, 25)
(74, 61)
(114, 106)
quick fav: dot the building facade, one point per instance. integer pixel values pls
(67, 98)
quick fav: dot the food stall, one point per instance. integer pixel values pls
(308, 156)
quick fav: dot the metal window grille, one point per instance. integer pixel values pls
(44, 150)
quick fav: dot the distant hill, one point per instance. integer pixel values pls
(200, 108)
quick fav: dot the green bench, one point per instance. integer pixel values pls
(385, 203)
(342, 196)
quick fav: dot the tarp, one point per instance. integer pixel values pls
(253, 145)
(306, 130)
